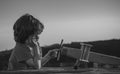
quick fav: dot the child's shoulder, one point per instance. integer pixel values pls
(21, 49)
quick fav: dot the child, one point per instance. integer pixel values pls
(27, 53)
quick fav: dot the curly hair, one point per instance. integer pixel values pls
(25, 26)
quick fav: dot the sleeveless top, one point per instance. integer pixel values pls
(20, 54)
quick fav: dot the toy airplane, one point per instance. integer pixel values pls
(84, 54)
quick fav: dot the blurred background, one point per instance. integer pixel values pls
(72, 20)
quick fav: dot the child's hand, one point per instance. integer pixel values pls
(53, 53)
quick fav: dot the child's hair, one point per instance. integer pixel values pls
(25, 26)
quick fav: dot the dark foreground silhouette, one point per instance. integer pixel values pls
(64, 70)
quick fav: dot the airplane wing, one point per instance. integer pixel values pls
(93, 56)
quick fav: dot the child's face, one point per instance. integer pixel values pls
(32, 40)
(36, 35)
(40, 30)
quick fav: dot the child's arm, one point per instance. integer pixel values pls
(45, 59)
(51, 54)
(35, 62)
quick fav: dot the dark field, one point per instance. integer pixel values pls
(64, 70)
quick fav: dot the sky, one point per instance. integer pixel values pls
(71, 20)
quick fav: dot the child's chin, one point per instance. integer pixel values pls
(36, 40)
